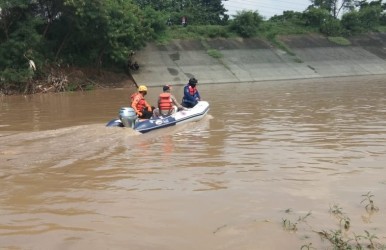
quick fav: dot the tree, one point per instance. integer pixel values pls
(289, 16)
(351, 22)
(368, 17)
(331, 27)
(334, 7)
(245, 23)
(316, 16)
(213, 11)
(197, 11)
(99, 31)
(75, 32)
(20, 42)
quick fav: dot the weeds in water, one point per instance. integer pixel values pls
(344, 221)
(336, 210)
(341, 238)
(292, 226)
(370, 207)
(336, 238)
(340, 242)
(307, 247)
(289, 226)
(370, 238)
(304, 217)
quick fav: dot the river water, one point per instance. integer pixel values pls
(270, 166)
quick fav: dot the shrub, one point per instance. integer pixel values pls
(351, 22)
(332, 27)
(316, 16)
(245, 23)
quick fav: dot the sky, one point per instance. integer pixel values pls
(266, 8)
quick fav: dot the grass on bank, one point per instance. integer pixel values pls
(269, 31)
(214, 53)
(339, 40)
(194, 32)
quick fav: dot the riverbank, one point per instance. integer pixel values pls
(254, 59)
(232, 60)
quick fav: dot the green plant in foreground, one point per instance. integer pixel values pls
(307, 247)
(370, 202)
(343, 219)
(341, 238)
(336, 210)
(336, 238)
(292, 226)
(370, 238)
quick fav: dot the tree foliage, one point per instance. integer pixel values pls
(334, 7)
(20, 40)
(99, 31)
(102, 33)
(358, 16)
(72, 32)
(196, 11)
(246, 23)
(316, 16)
(366, 18)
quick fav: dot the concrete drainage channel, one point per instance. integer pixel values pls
(249, 60)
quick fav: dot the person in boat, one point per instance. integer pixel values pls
(191, 94)
(140, 105)
(167, 103)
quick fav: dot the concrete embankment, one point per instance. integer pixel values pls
(250, 60)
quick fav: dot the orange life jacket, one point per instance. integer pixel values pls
(141, 103)
(192, 90)
(165, 102)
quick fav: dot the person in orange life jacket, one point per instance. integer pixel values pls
(191, 94)
(167, 103)
(140, 105)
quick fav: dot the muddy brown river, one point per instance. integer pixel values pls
(272, 166)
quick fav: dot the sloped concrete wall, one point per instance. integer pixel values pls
(251, 60)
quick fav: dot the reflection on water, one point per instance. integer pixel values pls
(225, 182)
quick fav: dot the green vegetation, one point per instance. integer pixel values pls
(340, 238)
(292, 226)
(38, 38)
(246, 23)
(339, 40)
(368, 200)
(194, 32)
(214, 53)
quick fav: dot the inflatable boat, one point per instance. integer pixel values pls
(128, 118)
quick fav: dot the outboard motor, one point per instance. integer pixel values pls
(127, 117)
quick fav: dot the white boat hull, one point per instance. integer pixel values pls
(184, 116)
